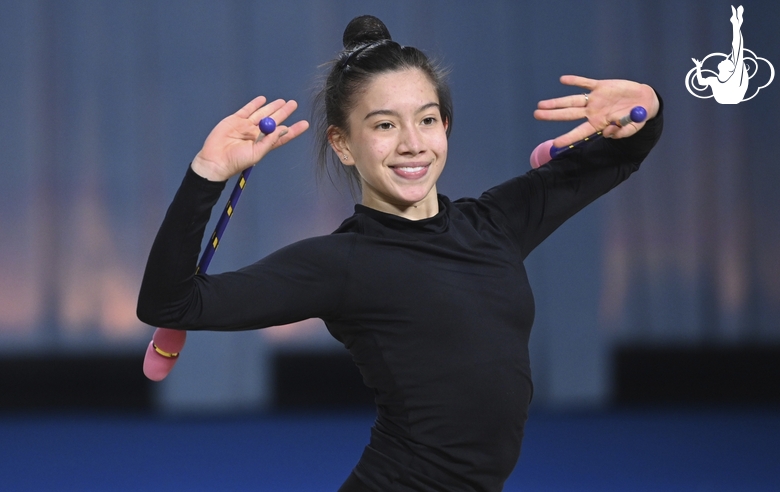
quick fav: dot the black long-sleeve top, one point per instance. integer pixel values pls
(436, 313)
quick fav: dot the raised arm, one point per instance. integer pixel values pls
(170, 286)
(540, 201)
(701, 80)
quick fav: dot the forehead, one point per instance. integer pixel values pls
(397, 90)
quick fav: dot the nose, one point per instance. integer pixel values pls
(411, 141)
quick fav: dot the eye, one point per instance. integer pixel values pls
(385, 125)
(430, 120)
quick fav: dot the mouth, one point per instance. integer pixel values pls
(411, 170)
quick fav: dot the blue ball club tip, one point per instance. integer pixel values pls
(267, 125)
(638, 114)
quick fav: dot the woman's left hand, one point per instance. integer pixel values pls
(607, 102)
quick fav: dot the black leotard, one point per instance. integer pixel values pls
(436, 312)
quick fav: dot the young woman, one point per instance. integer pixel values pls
(430, 296)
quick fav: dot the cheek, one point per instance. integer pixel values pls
(441, 147)
(379, 149)
(368, 147)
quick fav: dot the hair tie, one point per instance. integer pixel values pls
(360, 49)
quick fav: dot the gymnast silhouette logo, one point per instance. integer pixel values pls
(730, 84)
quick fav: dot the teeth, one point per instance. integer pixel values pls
(411, 169)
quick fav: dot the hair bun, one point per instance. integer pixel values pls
(363, 30)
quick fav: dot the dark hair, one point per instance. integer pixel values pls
(368, 51)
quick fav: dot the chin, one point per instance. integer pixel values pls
(413, 198)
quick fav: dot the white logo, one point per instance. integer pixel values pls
(730, 84)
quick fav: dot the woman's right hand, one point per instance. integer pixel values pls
(236, 143)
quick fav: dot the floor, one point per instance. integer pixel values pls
(636, 450)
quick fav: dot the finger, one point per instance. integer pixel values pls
(573, 101)
(560, 114)
(283, 112)
(251, 107)
(292, 132)
(576, 80)
(267, 110)
(575, 135)
(281, 136)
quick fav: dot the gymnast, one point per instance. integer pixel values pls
(731, 84)
(429, 295)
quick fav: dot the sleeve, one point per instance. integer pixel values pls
(534, 205)
(298, 282)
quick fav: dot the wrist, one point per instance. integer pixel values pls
(207, 169)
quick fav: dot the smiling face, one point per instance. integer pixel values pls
(398, 143)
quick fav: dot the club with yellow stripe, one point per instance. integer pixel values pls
(546, 151)
(166, 345)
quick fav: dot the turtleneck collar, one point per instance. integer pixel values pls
(436, 224)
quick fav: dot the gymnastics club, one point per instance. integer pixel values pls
(546, 151)
(166, 344)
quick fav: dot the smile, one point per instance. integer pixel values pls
(413, 171)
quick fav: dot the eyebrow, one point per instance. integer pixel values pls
(390, 112)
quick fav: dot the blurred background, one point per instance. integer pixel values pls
(656, 346)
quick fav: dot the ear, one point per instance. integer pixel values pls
(338, 142)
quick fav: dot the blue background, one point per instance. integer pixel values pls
(105, 103)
